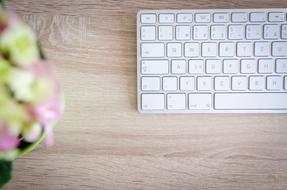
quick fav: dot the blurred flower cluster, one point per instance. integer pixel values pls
(30, 97)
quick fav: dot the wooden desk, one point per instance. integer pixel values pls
(104, 143)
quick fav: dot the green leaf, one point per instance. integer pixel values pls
(5, 172)
(2, 3)
(42, 55)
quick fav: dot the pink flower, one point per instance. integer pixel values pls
(43, 70)
(32, 132)
(8, 141)
(49, 111)
(31, 102)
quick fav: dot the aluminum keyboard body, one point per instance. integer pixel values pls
(212, 61)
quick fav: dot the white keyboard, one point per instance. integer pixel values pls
(212, 61)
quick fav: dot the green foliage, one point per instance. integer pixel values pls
(2, 3)
(5, 172)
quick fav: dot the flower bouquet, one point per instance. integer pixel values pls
(30, 98)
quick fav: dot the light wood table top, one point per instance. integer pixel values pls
(104, 143)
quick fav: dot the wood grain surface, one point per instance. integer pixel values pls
(104, 143)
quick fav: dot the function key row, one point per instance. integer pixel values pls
(235, 17)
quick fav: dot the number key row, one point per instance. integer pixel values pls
(214, 32)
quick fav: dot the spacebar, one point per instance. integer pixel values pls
(250, 101)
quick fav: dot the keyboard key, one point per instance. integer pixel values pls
(231, 66)
(257, 17)
(209, 49)
(204, 83)
(226, 49)
(152, 101)
(250, 101)
(191, 50)
(200, 32)
(262, 49)
(271, 31)
(176, 101)
(154, 67)
(152, 50)
(239, 17)
(276, 17)
(148, 18)
(236, 32)
(256, 83)
(182, 32)
(187, 83)
(169, 83)
(239, 83)
(253, 32)
(244, 49)
(248, 66)
(284, 31)
(147, 33)
(274, 83)
(150, 83)
(166, 18)
(199, 101)
(285, 82)
(184, 18)
(221, 83)
(279, 49)
(213, 66)
(196, 66)
(220, 17)
(265, 66)
(202, 17)
(178, 66)
(173, 49)
(281, 66)
(165, 33)
(218, 32)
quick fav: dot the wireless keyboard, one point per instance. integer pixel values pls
(212, 61)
